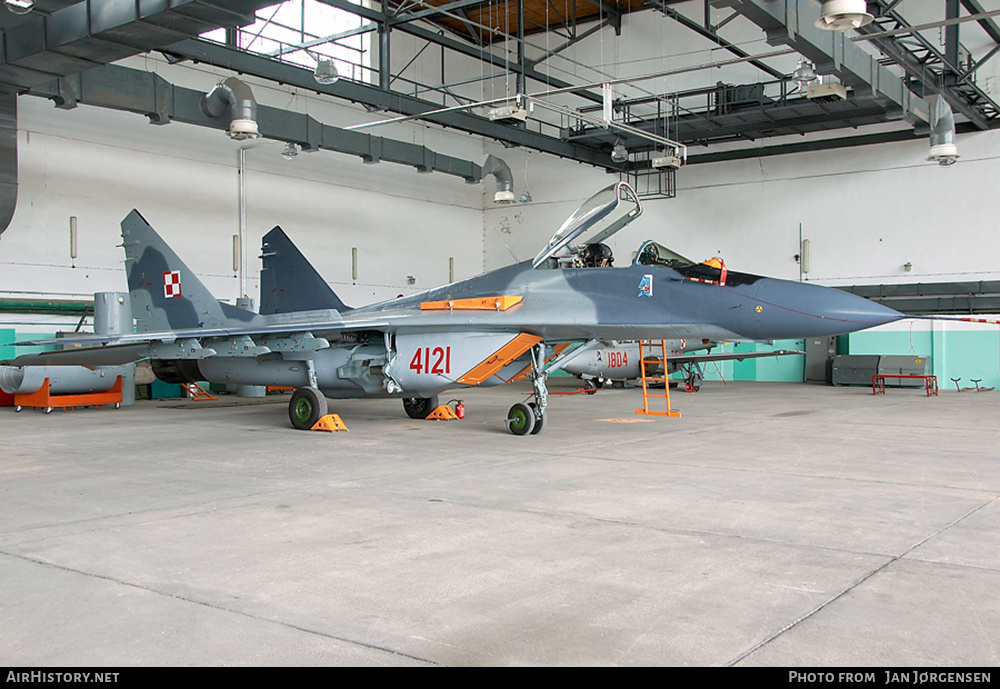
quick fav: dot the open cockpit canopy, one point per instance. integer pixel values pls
(599, 217)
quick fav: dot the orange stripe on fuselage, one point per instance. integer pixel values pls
(479, 303)
(500, 358)
(523, 373)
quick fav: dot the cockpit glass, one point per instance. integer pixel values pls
(595, 220)
(653, 254)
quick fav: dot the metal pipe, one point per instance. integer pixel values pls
(242, 238)
(46, 306)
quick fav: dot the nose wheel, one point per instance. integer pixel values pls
(529, 419)
(521, 419)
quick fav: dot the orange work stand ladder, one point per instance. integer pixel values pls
(198, 393)
(648, 365)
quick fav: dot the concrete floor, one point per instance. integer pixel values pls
(773, 524)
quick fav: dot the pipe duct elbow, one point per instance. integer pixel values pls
(943, 151)
(505, 180)
(234, 96)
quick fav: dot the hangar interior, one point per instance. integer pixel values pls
(750, 134)
(105, 115)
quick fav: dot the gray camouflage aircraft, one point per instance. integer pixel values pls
(482, 331)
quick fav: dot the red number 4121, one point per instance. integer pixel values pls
(436, 360)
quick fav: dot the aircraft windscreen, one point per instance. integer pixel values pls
(595, 220)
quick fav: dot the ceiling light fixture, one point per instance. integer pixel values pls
(291, 150)
(19, 6)
(804, 74)
(619, 154)
(326, 72)
(842, 15)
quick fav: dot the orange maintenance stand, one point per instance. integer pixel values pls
(42, 399)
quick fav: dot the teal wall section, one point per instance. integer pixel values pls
(165, 391)
(964, 354)
(8, 337)
(788, 368)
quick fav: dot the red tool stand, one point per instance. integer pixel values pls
(878, 382)
(43, 400)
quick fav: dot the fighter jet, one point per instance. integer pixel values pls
(481, 331)
(621, 361)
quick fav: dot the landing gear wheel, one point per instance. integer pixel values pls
(539, 419)
(306, 407)
(521, 419)
(420, 407)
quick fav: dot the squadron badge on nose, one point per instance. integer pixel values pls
(646, 286)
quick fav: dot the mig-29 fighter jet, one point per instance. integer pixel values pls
(481, 331)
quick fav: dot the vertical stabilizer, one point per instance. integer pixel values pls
(165, 294)
(288, 282)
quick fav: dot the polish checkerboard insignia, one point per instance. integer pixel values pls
(172, 284)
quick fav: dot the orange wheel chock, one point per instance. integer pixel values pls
(329, 422)
(443, 413)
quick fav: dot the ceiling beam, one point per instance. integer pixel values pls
(712, 35)
(469, 50)
(790, 23)
(379, 99)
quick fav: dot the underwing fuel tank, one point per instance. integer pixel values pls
(340, 371)
(63, 380)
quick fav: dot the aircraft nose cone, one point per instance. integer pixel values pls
(861, 313)
(796, 309)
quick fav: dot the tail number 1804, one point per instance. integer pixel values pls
(432, 360)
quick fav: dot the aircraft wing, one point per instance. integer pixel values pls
(113, 355)
(728, 356)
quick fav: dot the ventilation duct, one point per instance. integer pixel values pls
(8, 157)
(236, 97)
(505, 180)
(943, 148)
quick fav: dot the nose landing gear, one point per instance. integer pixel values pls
(529, 419)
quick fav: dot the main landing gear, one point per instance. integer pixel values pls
(693, 377)
(420, 407)
(306, 407)
(529, 419)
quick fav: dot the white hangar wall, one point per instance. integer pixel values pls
(98, 164)
(867, 211)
